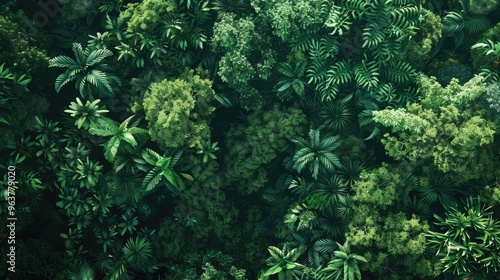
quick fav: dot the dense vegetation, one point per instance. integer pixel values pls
(252, 139)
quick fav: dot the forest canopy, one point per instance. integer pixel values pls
(250, 139)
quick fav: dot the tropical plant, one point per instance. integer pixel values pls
(302, 214)
(316, 153)
(106, 238)
(81, 271)
(336, 115)
(47, 131)
(118, 132)
(333, 220)
(317, 249)
(10, 84)
(344, 265)
(77, 207)
(86, 114)
(468, 241)
(102, 203)
(92, 77)
(489, 48)
(462, 26)
(491, 51)
(88, 172)
(349, 171)
(231, 6)
(109, 6)
(178, 111)
(163, 169)
(284, 263)
(438, 188)
(128, 224)
(328, 192)
(418, 207)
(293, 80)
(74, 154)
(126, 185)
(138, 253)
(48, 150)
(207, 149)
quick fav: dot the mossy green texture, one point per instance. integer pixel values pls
(179, 111)
(254, 145)
(458, 136)
(381, 232)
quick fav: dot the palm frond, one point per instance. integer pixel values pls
(96, 56)
(439, 188)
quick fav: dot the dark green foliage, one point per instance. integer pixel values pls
(332, 189)
(464, 25)
(146, 180)
(207, 149)
(336, 115)
(138, 253)
(344, 265)
(418, 207)
(162, 171)
(231, 6)
(92, 77)
(467, 240)
(24, 46)
(253, 146)
(293, 79)
(438, 188)
(316, 153)
(349, 171)
(333, 220)
(119, 133)
(11, 85)
(317, 249)
(81, 271)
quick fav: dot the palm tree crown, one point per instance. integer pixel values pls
(119, 132)
(316, 153)
(87, 70)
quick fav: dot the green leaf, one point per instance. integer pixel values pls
(285, 86)
(163, 163)
(273, 270)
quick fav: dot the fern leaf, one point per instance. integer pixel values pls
(400, 72)
(63, 62)
(325, 246)
(97, 56)
(338, 20)
(62, 80)
(385, 93)
(372, 35)
(99, 79)
(316, 72)
(453, 22)
(366, 75)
